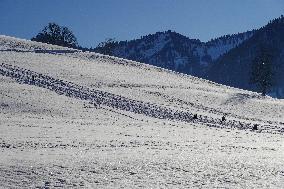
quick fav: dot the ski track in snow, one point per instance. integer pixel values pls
(63, 129)
(99, 98)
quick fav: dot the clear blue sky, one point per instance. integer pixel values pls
(94, 20)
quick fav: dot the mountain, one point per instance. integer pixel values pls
(73, 119)
(176, 52)
(225, 60)
(234, 67)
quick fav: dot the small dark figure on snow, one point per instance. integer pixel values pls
(223, 118)
(254, 127)
(96, 105)
(195, 116)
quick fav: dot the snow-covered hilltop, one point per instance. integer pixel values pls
(15, 44)
(78, 119)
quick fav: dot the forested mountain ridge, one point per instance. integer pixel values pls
(234, 67)
(176, 52)
(225, 60)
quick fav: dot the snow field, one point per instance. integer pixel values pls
(49, 140)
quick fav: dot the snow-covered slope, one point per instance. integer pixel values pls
(84, 120)
(8, 43)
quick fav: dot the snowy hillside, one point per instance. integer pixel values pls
(8, 43)
(84, 120)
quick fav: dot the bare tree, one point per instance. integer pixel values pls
(56, 35)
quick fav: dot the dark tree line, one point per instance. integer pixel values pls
(63, 36)
(107, 47)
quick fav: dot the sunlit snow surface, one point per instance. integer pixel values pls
(49, 140)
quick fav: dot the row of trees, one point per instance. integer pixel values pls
(261, 74)
(63, 36)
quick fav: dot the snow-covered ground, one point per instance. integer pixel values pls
(83, 120)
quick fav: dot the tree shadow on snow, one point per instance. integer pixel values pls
(240, 98)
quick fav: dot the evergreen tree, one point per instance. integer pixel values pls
(261, 71)
(56, 35)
